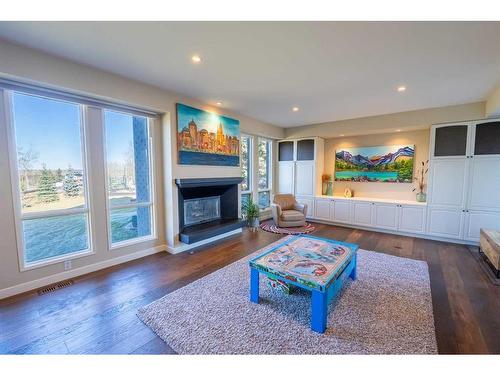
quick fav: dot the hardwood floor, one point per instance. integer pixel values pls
(97, 313)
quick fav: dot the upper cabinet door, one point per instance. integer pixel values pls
(487, 138)
(285, 151)
(450, 140)
(305, 149)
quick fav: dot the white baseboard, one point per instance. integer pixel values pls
(44, 281)
(407, 234)
(180, 247)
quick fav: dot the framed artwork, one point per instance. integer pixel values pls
(206, 138)
(375, 164)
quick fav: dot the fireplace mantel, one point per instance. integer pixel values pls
(201, 182)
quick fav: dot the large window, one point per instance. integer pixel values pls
(264, 173)
(128, 177)
(246, 168)
(48, 138)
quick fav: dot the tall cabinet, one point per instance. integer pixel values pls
(300, 165)
(464, 179)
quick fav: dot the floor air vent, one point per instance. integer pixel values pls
(51, 288)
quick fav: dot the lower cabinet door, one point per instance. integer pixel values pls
(412, 219)
(477, 220)
(310, 204)
(341, 211)
(322, 209)
(385, 215)
(445, 222)
(362, 213)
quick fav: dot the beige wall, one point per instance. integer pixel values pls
(29, 65)
(419, 138)
(404, 121)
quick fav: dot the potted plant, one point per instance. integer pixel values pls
(421, 182)
(251, 212)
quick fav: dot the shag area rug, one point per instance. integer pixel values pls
(273, 228)
(387, 310)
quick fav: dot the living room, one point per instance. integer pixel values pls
(184, 200)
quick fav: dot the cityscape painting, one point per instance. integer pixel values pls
(375, 164)
(205, 138)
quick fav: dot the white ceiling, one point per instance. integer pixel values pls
(331, 70)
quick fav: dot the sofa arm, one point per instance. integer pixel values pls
(302, 207)
(276, 211)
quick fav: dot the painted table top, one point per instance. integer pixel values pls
(307, 260)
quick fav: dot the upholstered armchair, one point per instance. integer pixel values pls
(287, 212)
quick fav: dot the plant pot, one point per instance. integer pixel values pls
(253, 223)
(421, 197)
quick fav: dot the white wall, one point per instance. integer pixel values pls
(28, 65)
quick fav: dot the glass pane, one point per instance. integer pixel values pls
(451, 140)
(264, 156)
(305, 149)
(244, 199)
(50, 237)
(49, 153)
(487, 139)
(285, 151)
(127, 152)
(264, 199)
(130, 223)
(245, 163)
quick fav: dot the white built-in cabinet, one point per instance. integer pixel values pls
(463, 186)
(464, 179)
(402, 216)
(299, 163)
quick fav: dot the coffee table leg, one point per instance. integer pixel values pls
(354, 271)
(254, 285)
(319, 311)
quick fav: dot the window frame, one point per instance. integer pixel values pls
(249, 191)
(19, 217)
(152, 187)
(269, 172)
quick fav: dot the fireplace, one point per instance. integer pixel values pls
(201, 210)
(208, 207)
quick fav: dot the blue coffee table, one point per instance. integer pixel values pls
(316, 264)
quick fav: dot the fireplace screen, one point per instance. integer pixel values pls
(201, 210)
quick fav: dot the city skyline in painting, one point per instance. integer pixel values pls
(206, 138)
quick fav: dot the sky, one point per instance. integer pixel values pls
(206, 120)
(52, 128)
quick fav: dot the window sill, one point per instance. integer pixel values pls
(135, 241)
(56, 260)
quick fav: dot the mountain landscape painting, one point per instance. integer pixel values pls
(375, 164)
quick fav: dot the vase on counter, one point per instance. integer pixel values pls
(329, 188)
(421, 197)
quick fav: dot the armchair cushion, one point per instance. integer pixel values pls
(292, 215)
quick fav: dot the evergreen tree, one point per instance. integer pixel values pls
(47, 187)
(71, 186)
(59, 175)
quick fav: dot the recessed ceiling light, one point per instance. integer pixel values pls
(401, 88)
(342, 135)
(295, 109)
(219, 103)
(196, 59)
(398, 130)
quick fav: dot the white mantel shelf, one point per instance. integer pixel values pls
(378, 200)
